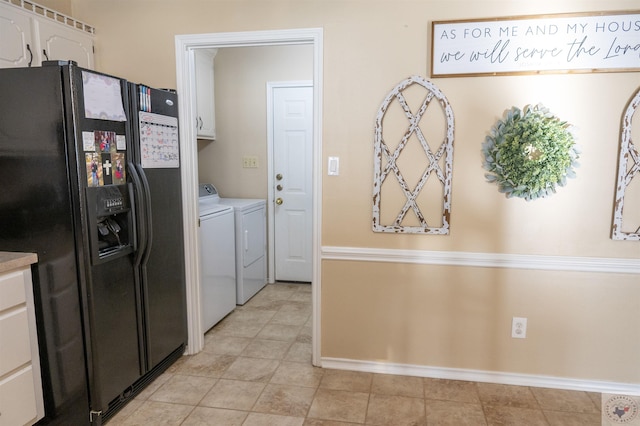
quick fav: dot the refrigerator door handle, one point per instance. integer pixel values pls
(141, 207)
(146, 254)
(148, 219)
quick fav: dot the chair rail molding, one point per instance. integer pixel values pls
(484, 260)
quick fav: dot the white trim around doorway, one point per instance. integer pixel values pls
(185, 83)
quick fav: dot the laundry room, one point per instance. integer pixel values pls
(233, 149)
(240, 77)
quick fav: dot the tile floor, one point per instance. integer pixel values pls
(256, 370)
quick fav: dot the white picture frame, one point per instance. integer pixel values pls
(559, 43)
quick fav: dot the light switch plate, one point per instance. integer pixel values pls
(333, 166)
(250, 162)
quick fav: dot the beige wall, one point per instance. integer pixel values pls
(241, 76)
(450, 317)
(62, 6)
(581, 325)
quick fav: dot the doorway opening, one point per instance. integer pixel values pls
(186, 45)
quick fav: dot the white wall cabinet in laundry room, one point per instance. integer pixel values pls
(32, 34)
(205, 119)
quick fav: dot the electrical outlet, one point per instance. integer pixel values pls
(519, 328)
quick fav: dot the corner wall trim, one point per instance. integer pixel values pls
(484, 260)
(482, 376)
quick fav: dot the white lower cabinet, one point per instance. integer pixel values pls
(18, 399)
(20, 382)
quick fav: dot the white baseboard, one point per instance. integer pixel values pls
(482, 376)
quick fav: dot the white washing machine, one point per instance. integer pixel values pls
(217, 259)
(251, 245)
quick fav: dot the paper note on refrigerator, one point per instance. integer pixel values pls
(88, 141)
(102, 97)
(159, 147)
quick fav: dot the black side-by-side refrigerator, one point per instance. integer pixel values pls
(89, 166)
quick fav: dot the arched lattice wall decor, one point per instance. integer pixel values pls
(626, 222)
(413, 159)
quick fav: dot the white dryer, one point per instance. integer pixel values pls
(217, 259)
(251, 245)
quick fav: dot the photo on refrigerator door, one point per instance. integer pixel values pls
(105, 141)
(94, 169)
(119, 176)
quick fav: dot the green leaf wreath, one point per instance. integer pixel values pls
(530, 152)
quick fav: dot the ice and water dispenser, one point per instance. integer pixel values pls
(111, 225)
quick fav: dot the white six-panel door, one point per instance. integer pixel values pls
(293, 182)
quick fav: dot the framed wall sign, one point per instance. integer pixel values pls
(586, 42)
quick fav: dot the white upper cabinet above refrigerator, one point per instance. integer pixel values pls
(31, 35)
(17, 47)
(205, 119)
(65, 43)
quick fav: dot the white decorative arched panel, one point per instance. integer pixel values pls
(413, 160)
(626, 217)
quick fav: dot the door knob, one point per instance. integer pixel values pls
(279, 187)
(279, 176)
(279, 201)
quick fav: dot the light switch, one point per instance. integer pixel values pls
(333, 166)
(249, 162)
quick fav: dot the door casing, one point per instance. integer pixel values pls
(185, 84)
